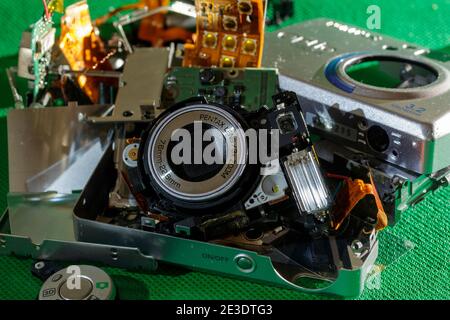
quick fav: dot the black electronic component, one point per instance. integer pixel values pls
(377, 138)
(44, 269)
(207, 76)
(299, 163)
(288, 119)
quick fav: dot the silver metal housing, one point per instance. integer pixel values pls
(416, 120)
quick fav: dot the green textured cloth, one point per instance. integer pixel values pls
(414, 255)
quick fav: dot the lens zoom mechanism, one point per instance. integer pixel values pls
(191, 180)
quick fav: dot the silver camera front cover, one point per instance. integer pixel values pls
(372, 93)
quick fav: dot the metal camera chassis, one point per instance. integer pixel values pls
(141, 250)
(55, 226)
(197, 255)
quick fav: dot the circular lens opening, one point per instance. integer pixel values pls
(391, 72)
(197, 172)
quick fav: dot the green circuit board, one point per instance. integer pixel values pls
(42, 40)
(250, 89)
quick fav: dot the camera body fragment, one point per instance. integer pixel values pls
(384, 100)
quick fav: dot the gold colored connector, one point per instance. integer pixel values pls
(249, 46)
(229, 42)
(210, 39)
(227, 62)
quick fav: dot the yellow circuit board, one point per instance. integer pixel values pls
(229, 33)
(82, 47)
(153, 29)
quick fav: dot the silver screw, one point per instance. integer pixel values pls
(39, 265)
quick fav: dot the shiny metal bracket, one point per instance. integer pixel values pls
(141, 84)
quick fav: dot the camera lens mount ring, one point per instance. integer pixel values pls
(164, 172)
(336, 71)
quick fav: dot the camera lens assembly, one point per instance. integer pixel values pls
(192, 182)
(174, 149)
(230, 164)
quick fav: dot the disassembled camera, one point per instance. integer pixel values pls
(205, 159)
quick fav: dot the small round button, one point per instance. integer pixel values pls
(78, 282)
(245, 263)
(57, 277)
(76, 293)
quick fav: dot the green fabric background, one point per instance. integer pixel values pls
(414, 253)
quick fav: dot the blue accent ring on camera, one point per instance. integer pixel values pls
(332, 76)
